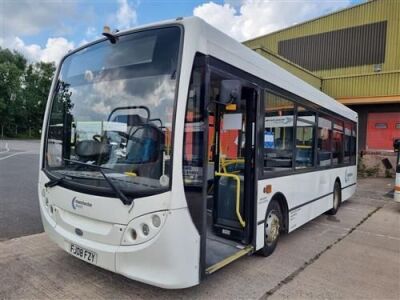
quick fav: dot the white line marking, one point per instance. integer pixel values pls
(19, 153)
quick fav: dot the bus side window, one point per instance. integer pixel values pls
(347, 142)
(278, 133)
(305, 134)
(324, 148)
(337, 143)
(353, 144)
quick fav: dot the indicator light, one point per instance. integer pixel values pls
(145, 229)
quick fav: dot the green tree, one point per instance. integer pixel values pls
(37, 82)
(12, 67)
(24, 89)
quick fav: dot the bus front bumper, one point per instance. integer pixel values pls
(169, 260)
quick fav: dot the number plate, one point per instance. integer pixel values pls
(83, 254)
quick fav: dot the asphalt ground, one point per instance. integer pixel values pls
(353, 255)
(19, 206)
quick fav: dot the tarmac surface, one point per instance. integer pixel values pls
(19, 206)
(355, 254)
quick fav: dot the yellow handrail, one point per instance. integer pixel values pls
(303, 147)
(130, 174)
(230, 161)
(237, 178)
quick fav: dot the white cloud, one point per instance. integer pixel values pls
(23, 18)
(252, 18)
(126, 16)
(53, 51)
(27, 17)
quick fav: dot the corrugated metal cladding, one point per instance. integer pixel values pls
(379, 84)
(354, 46)
(366, 13)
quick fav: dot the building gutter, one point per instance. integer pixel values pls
(395, 99)
(361, 75)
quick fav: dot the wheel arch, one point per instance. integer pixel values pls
(338, 181)
(281, 199)
(340, 187)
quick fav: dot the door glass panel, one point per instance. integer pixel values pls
(230, 137)
(229, 152)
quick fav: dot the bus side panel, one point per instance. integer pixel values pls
(349, 182)
(308, 195)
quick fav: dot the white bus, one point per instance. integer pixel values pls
(199, 151)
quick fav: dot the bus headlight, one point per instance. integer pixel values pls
(156, 220)
(143, 228)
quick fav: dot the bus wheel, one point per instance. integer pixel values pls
(337, 199)
(272, 228)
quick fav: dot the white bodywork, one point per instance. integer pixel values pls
(313, 187)
(170, 258)
(397, 187)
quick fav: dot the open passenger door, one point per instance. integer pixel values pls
(219, 163)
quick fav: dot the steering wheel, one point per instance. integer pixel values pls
(97, 138)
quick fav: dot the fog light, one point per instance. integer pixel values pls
(145, 229)
(133, 234)
(156, 221)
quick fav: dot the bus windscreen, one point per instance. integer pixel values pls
(113, 107)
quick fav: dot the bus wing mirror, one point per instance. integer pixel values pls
(230, 92)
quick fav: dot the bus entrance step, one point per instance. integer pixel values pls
(229, 259)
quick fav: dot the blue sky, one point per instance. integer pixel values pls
(47, 29)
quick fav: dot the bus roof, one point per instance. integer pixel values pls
(208, 40)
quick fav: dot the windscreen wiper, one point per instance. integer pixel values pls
(54, 182)
(116, 189)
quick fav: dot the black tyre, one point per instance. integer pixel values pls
(272, 228)
(337, 199)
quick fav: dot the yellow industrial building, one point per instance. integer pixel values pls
(353, 55)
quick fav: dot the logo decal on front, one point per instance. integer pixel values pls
(79, 203)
